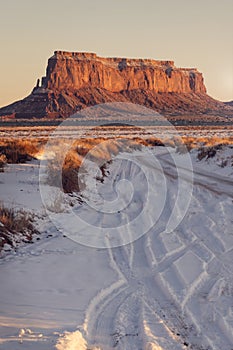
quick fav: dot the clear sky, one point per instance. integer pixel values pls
(192, 33)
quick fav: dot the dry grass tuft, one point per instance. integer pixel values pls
(98, 150)
(193, 142)
(2, 162)
(20, 151)
(208, 152)
(15, 226)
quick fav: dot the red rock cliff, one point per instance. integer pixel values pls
(73, 71)
(76, 80)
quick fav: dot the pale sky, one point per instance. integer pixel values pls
(192, 33)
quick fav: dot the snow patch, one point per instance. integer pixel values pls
(71, 341)
(151, 346)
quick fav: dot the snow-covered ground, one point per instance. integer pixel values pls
(140, 130)
(165, 290)
(221, 163)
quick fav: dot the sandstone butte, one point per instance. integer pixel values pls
(75, 80)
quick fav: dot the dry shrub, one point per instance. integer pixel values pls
(193, 142)
(15, 226)
(101, 155)
(70, 181)
(2, 162)
(20, 151)
(208, 152)
(70, 169)
(107, 149)
(70, 166)
(153, 141)
(206, 144)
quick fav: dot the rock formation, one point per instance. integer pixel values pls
(75, 80)
(75, 71)
(230, 103)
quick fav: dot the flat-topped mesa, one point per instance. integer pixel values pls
(110, 60)
(77, 55)
(76, 80)
(71, 71)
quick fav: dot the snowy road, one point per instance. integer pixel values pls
(174, 287)
(166, 290)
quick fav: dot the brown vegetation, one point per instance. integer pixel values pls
(15, 226)
(210, 152)
(193, 142)
(19, 150)
(3, 161)
(98, 150)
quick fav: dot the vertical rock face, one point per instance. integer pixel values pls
(73, 71)
(75, 80)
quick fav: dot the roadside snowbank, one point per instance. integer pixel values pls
(217, 160)
(71, 341)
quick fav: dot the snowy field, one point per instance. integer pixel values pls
(134, 130)
(168, 288)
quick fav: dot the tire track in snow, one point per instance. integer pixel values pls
(164, 288)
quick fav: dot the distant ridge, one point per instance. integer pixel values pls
(75, 80)
(230, 103)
